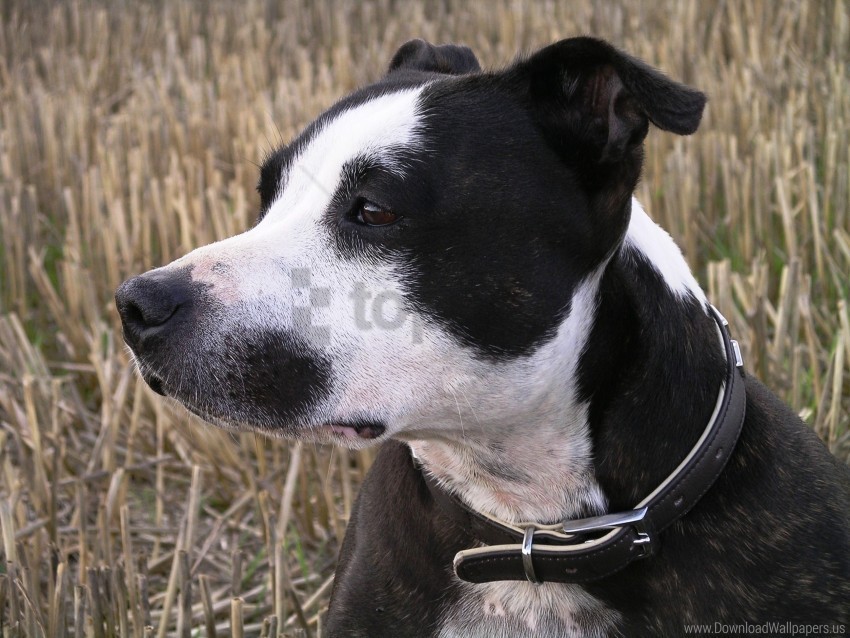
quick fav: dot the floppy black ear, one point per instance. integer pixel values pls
(419, 55)
(606, 98)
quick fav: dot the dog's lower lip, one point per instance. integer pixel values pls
(359, 430)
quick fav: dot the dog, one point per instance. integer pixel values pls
(451, 262)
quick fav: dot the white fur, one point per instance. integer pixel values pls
(417, 379)
(661, 251)
(516, 609)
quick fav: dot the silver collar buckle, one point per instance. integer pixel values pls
(633, 518)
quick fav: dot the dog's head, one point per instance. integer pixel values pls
(422, 246)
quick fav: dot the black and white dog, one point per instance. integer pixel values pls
(452, 261)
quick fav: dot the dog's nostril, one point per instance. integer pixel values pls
(147, 302)
(154, 313)
(133, 314)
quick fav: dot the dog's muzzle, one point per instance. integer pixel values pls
(192, 347)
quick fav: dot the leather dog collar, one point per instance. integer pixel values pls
(583, 550)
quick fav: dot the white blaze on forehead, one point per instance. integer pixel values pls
(377, 128)
(659, 249)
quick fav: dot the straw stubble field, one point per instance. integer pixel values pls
(130, 133)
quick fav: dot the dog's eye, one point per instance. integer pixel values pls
(372, 214)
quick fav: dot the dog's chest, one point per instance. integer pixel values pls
(517, 609)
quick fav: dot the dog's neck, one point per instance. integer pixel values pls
(606, 402)
(653, 365)
(520, 448)
(518, 477)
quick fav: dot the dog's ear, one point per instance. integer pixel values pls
(584, 90)
(419, 55)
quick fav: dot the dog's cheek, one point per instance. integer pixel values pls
(429, 389)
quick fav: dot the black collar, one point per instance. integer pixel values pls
(588, 549)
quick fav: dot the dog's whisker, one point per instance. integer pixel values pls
(471, 409)
(459, 415)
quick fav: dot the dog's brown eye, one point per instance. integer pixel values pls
(374, 215)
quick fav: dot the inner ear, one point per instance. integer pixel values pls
(418, 55)
(614, 120)
(589, 95)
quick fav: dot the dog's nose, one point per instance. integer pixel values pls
(147, 303)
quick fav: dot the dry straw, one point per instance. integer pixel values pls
(129, 134)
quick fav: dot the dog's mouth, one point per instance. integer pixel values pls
(366, 430)
(342, 431)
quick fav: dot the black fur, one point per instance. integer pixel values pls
(419, 55)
